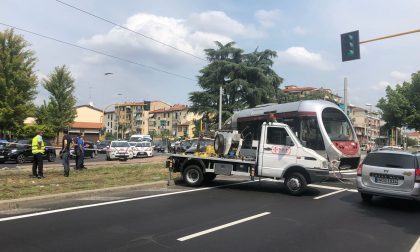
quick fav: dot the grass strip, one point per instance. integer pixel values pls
(16, 184)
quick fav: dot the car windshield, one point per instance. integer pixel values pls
(132, 143)
(390, 160)
(143, 144)
(337, 126)
(135, 139)
(120, 144)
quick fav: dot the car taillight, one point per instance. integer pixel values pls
(359, 169)
(417, 179)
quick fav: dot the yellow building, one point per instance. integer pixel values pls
(132, 117)
(176, 121)
(88, 120)
(366, 124)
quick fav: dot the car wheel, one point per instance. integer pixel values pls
(366, 197)
(295, 183)
(20, 159)
(193, 176)
(51, 157)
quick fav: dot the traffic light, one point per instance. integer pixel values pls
(350, 48)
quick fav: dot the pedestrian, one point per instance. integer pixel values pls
(65, 150)
(368, 148)
(38, 150)
(81, 149)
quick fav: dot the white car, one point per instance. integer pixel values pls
(143, 149)
(119, 150)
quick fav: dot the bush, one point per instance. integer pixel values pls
(29, 131)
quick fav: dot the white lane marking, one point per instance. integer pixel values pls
(329, 194)
(325, 187)
(116, 202)
(416, 246)
(222, 226)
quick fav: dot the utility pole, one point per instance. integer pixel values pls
(345, 95)
(220, 107)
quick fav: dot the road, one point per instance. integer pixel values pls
(230, 215)
(100, 158)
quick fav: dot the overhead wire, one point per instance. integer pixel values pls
(128, 29)
(99, 52)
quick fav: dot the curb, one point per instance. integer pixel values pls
(45, 199)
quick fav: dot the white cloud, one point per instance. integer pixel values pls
(380, 86)
(400, 76)
(299, 30)
(217, 22)
(301, 56)
(268, 18)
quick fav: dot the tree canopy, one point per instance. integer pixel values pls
(247, 80)
(60, 110)
(18, 81)
(401, 106)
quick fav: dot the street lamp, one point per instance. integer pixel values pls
(369, 136)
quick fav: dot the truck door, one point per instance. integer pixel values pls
(276, 153)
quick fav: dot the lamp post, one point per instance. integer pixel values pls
(369, 135)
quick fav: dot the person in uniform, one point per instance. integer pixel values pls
(38, 150)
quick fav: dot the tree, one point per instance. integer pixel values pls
(401, 107)
(29, 131)
(60, 110)
(247, 81)
(17, 81)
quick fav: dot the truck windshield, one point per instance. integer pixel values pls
(337, 126)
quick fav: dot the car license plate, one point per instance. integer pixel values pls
(387, 181)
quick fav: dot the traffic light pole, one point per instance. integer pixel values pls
(390, 36)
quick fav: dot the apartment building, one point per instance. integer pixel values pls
(366, 123)
(133, 117)
(176, 121)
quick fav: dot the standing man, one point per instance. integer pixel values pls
(81, 151)
(38, 149)
(65, 149)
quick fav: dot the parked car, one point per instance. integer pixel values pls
(21, 152)
(103, 145)
(119, 150)
(203, 145)
(143, 149)
(90, 151)
(3, 144)
(159, 148)
(389, 173)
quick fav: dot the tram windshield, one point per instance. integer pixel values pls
(337, 126)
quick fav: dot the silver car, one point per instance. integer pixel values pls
(389, 173)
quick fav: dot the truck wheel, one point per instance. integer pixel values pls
(209, 177)
(193, 176)
(366, 197)
(219, 144)
(295, 183)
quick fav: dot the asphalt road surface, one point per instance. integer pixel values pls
(228, 215)
(98, 158)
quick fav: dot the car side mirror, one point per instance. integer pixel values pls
(289, 141)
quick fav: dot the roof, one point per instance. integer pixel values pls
(176, 107)
(86, 125)
(414, 134)
(297, 89)
(89, 106)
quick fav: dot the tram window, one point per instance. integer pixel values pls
(276, 136)
(309, 132)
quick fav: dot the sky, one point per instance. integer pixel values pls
(162, 60)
